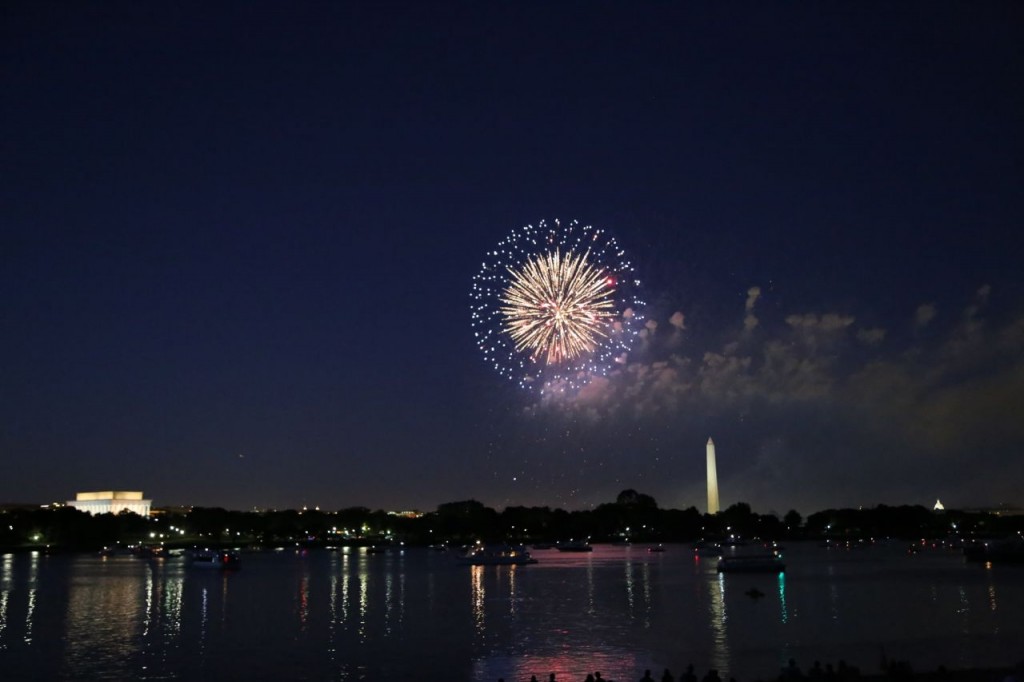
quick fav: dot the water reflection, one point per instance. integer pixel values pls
(6, 582)
(389, 589)
(345, 616)
(964, 611)
(106, 620)
(148, 610)
(3, 619)
(33, 587)
(332, 606)
(512, 591)
(345, 588)
(476, 578)
(303, 597)
(591, 609)
(574, 664)
(204, 609)
(783, 613)
(719, 616)
(161, 618)
(364, 597)
(629, 587)
(646, 570)
(171, 604)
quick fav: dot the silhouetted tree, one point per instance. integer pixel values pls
(463, 520)
(631, 498)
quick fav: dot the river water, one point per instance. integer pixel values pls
(414, 615)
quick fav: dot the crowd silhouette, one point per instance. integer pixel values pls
(895, 670)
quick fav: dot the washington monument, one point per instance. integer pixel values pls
(712, 479)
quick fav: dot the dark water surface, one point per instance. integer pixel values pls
(413, 614)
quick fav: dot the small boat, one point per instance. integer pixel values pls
(656, 548)
(496, 555)
(375, 549)
(574, 546)
(751, 563)
(209, 558)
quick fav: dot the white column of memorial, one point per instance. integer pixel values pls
(712, 479)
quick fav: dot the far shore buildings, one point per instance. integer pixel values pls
(111, 502)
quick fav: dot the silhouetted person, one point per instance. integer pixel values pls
(792, 671)
(1018, 673)
(830, 672)
(900, 670)
(533, 678)
(647, 677)
(847, 672)
(712, 676)
(590, 678)
(551, 677)
(689, 675)
(815, 673)
(667, 676)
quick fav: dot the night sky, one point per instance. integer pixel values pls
(237, 242)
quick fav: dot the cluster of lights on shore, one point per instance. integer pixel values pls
(555, 305)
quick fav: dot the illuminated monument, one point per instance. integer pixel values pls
(111, 502)
(712, 479)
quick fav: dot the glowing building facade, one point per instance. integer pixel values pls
(712, 479)
(111, 502)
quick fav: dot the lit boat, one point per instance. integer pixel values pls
(496, 555)
(751, 563)
(574, 546)
(209, 558)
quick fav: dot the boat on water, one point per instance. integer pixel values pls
(751, 563)
(574, 546)
(656, 548)
(496, 555)
(214, 558)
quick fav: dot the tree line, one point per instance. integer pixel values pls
(632, 517)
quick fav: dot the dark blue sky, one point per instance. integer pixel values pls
(238, 241)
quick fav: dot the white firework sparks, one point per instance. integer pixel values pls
(558, 306)
(554, 305)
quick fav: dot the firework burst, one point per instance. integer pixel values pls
(553, 305)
